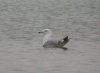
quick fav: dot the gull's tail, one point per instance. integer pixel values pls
(65, 40)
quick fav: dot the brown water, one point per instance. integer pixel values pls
(20, 44)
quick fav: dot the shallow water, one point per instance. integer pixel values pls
(20, 44)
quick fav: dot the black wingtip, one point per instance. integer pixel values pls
(66, 40)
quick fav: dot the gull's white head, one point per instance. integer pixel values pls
(46, 31)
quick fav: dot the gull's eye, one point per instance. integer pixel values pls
(45, 31)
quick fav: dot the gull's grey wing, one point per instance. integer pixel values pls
(51, 44)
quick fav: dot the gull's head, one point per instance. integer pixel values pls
(45, 31)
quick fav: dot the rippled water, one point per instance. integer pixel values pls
(20, 44)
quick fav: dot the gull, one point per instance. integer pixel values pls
(50, 42)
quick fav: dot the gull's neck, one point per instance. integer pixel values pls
(47, 37)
